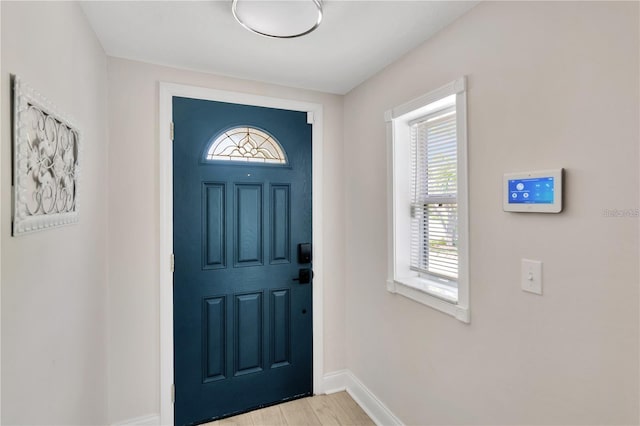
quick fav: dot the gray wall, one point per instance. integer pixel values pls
(550, 85)
(54, 283)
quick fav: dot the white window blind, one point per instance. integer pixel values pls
(434, 208)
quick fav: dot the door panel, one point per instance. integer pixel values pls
(280, 242)
(214, 338)
(248, 334)
(280, 328)
(214, 226)
(248, 226)
(242, 325)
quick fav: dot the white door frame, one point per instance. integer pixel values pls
(314, 116)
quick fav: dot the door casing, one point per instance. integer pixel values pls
(315, 117)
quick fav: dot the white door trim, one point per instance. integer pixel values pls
(314, 116)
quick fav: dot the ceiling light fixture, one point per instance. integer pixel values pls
(278, 19)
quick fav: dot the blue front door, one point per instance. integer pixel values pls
(241, 206)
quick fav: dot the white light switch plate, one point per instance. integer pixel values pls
(531, 276)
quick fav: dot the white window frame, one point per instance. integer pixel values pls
(401, 279)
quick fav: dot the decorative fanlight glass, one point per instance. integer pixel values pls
(246, 144)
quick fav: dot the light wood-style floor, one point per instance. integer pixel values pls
(335, 409)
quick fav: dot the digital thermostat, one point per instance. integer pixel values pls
(533, 192)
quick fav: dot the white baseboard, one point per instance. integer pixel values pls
(148, 420)
(345, 380)
(335, 382)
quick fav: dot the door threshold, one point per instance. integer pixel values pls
(259, 407)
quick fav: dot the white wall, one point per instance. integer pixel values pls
(134, 228)
(550, 85)
(54, 282)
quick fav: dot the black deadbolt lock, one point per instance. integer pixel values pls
(304, 253)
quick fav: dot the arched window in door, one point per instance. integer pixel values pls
(246, 144)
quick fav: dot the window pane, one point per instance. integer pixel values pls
(434, 233)
(434, 245)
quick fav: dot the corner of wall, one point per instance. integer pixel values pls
(345, 380)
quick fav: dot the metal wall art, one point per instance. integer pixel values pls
(45, 163)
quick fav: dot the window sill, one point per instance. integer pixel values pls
(418, 289)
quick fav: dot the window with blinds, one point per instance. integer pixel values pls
(434, 207)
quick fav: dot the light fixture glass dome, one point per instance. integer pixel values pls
(278, 19)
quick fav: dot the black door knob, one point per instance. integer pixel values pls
(304, 276)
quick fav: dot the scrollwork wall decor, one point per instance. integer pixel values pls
(45, 163)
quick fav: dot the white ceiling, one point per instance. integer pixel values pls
(355, 40)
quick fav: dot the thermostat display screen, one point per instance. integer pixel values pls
(537, 190)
